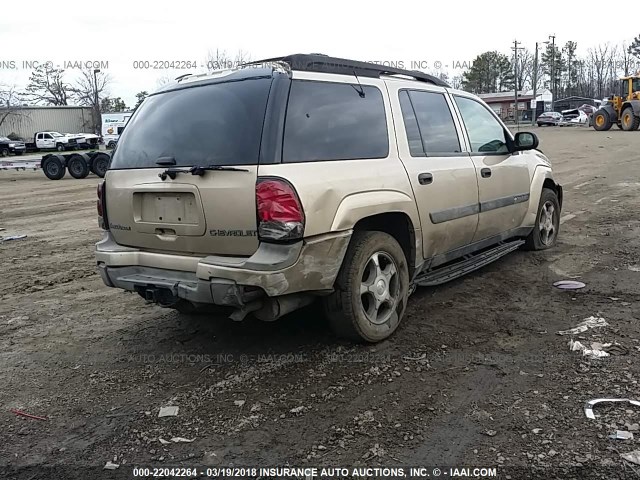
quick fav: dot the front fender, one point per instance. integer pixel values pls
(541, 175)
(635, 104)
(354, 208)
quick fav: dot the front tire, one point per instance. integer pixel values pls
(545, 231)
(4, 152)
(602, 121)
(371, 289)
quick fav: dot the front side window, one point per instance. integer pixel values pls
(334, 121)
(429, 123)
(485, 133)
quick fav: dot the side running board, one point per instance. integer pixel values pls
(468, 264)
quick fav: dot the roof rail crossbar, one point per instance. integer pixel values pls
(342, 66)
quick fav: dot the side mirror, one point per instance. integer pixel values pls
(526, 141)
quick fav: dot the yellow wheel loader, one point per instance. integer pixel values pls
(622, 110)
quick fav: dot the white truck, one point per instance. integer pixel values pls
(112, 126)
(54, 141)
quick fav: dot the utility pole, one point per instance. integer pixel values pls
(569, 89)
(515, 49)
(96, 101)
(553, 72)
(535, 87)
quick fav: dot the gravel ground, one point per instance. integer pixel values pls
(475, 376)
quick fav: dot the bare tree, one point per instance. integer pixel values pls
(456, 81)
(162, 81)
(89, 89)
(221, 60)
(46, 85)
(10, 104)
(525, 69)
(625, 59)
(599, 57)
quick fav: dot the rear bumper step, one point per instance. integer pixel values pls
(462, 267)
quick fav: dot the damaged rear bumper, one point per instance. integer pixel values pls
(272, 271)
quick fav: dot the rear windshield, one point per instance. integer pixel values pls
(215, 124)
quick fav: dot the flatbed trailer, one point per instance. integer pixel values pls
(55, 165)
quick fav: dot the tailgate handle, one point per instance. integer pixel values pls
(165, 231)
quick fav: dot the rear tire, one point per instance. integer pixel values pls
(602, 121)
(629, 121)
(371, 289)
(78, 167)
(545, 231)
(53, 168)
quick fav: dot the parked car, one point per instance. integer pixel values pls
(574, 117)
(89, 140)
(8, 146)
(308, 178)
(549, 118)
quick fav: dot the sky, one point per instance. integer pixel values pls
(121, 37)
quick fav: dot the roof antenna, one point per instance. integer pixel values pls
(361, 91)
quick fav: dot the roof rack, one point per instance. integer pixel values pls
(322, 63)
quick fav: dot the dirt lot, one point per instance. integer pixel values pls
(476, 376)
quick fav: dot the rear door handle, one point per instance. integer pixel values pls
(425, 178)
(485, 172)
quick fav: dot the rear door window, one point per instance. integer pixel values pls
(429, 123)
(214, 124)
(333, 121)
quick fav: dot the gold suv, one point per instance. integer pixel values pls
(295, 179)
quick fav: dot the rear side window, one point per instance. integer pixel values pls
(331, 121)
(215, 124)
(429, 123)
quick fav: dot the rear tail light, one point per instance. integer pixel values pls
(102, 212)
(280, 213)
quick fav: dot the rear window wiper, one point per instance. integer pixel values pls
(196, 170)
(199, 170)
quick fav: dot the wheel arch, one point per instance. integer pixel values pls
(610, 110)
(388, 211)
(399, 226)
(542, 178)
